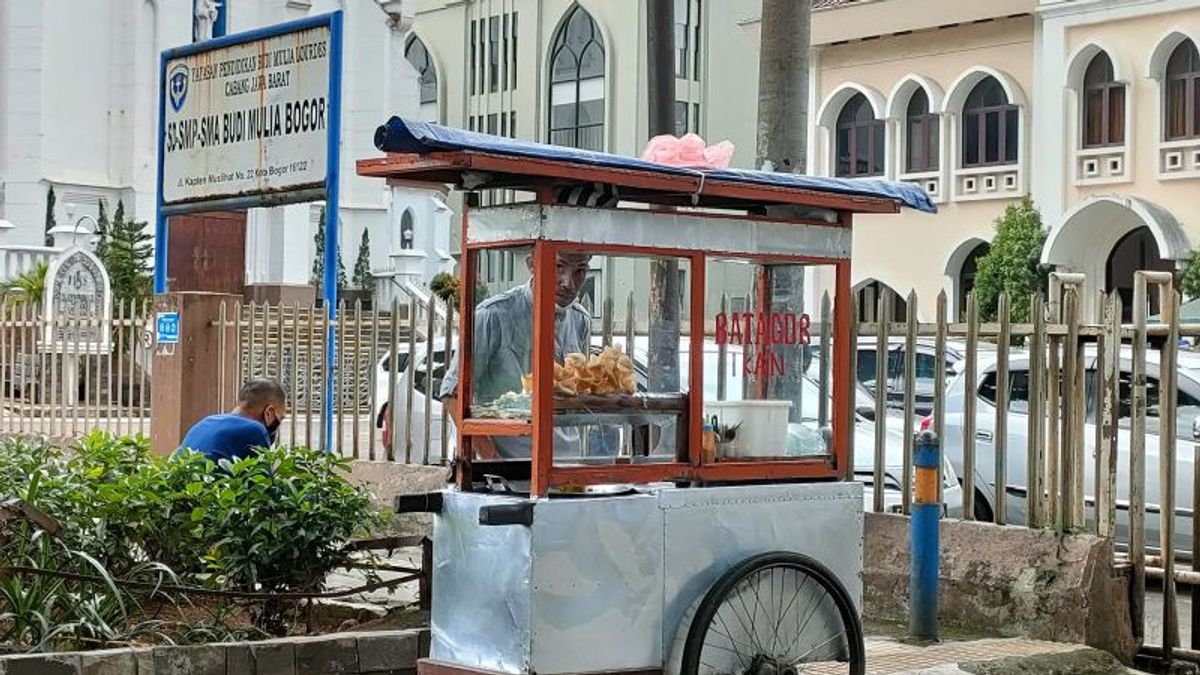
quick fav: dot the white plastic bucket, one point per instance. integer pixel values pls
(764, 426)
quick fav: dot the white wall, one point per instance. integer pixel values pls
(79, 110)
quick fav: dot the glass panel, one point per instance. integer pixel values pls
(493, 54)
(843, 152)
(916, 146)
(862, 149)
(851, 111)
(501, 339)
(1012, 135)
(1177, 109)
(591, 112)
(932, 143)
(877, 149)
(681, 118)
(513, 68)
(492, 121)
(681, 37)
(991, 134)
(1094, 118)
(621, 399)
(591, 138)
(580, 29)
(564, 67)
(1195, 111)
(1116, 115)
(1099, 71)
(591, 63)
(971, 139)
(473, 56)
(562, 116)
(775, 403)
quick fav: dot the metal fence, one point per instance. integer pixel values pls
(288, 342)
(1095, 406)
(66, 375)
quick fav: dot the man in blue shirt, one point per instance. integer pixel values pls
(254, 423)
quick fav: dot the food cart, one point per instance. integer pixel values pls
(609, 514)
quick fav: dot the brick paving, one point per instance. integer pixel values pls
(886, 656)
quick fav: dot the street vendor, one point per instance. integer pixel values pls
(503, 345)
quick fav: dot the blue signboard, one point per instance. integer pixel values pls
(251, 120)
(166, 328)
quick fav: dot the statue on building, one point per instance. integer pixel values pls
(205, 18)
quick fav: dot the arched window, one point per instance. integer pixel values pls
(418, 56)
(967, 273)
(577, 83)
(922, 127)
(990, 126)
(407, 234)
(860, 146)
(1183, 92)
(1103, 104)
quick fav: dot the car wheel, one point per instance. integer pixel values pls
(983, 510)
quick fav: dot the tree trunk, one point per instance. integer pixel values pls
(664, 320)
(782, 146)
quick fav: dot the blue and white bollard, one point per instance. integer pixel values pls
(925, 545)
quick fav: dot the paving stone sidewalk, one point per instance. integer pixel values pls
(993, 656)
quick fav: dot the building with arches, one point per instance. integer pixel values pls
(78, 113)
(1087, 106)
(1091, 108)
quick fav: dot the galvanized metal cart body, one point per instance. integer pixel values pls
(649, 580)
(606, 583)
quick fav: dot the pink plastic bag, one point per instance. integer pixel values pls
(689, 151)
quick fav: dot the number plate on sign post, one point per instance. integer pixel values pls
(167, 328)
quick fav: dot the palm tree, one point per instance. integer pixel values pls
(28, 287)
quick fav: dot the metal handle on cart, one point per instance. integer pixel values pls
(520, 513)
(424, 502)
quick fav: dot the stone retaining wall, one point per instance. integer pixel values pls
(363, 653)
(1008, 581)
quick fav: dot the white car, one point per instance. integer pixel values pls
(983, 388)
(864, 433)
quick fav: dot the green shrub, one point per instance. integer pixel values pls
(277, 521)
(1013, 263)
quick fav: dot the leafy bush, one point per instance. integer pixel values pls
(1013, 263)
(277, 521)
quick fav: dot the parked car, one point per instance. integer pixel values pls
(926, 373)
(984, 388)
(864, 428)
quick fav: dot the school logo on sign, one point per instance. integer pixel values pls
(178, 84)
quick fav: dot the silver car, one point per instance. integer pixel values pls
(983, 388)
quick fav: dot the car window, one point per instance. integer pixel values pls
(866, 365)
(422, 376)
(927, 367)
(401, 359)
(1187, 407)
(1018, 390)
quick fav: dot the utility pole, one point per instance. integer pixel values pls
(782, 146)
(783, 85)
(664, 320)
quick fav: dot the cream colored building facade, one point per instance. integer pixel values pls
(982, 103)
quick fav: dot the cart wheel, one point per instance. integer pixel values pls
(775, 614)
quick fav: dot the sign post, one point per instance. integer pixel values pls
(254, 120)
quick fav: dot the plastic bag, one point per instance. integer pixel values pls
(690, 151)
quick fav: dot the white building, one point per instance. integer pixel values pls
(78, 112)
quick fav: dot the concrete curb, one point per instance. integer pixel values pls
(360, 653)
(1083, 661)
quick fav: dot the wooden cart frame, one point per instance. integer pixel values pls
(663, 192)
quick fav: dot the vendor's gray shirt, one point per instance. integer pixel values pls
(503, 344)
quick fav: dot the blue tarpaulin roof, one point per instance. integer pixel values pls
(407, 136)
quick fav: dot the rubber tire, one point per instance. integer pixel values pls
(708, 607)
(983, 511)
